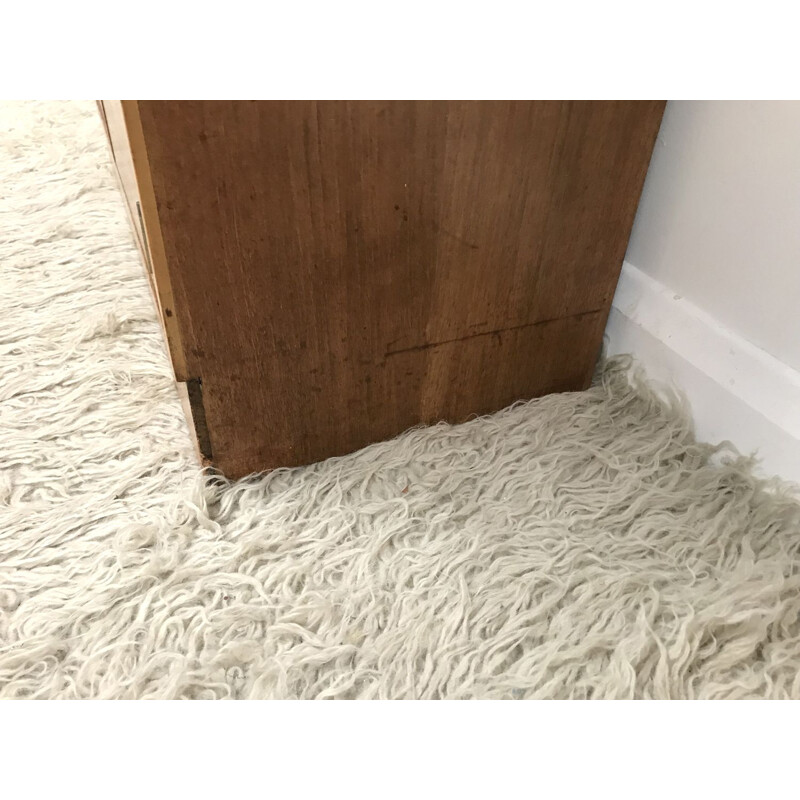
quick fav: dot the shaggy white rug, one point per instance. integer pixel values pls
(581, 545)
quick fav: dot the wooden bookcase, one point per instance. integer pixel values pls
(331, 273)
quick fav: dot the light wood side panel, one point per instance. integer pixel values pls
(117, 133)
(125, 133)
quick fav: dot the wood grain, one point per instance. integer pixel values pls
(124, 130)
(161, 273)
(121, 153)
(342, 270)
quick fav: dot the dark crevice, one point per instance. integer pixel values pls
(194, 388)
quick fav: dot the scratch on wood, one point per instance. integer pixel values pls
(440, 229)
(496, 333)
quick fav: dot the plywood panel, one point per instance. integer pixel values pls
(343, 270)
(116, 130)
(133, 169)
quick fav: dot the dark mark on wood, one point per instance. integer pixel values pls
(194, 388)
(496, 334)
(440, 229)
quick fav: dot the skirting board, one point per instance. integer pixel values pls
(737, 391)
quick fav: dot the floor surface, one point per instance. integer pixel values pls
(581, 545)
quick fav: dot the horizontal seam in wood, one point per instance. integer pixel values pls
(490, 333)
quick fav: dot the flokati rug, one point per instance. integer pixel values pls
(581, 545)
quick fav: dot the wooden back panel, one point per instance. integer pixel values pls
(343, 270)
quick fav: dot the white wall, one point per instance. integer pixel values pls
(715, 249)
(719, 218)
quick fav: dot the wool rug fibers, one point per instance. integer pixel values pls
(580, 545)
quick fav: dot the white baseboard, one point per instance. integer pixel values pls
(736, 390)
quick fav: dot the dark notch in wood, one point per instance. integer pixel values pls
(194, 388)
